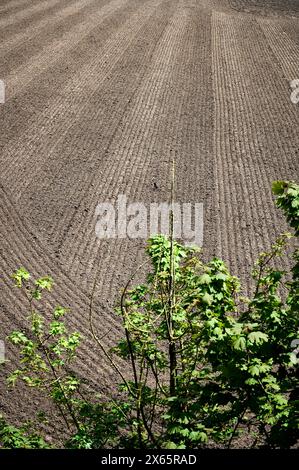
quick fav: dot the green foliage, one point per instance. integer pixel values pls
(288, 200)
(205, 364)
(234, 368)
(46, 350)
(12, 437)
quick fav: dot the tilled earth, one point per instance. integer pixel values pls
(101, 96)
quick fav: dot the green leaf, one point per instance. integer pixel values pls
(59, 312)
(44, 282)
(205, 279)
(57, 328)
(207, 299)
(278, 187)
(17, 337)
(240, 344)
(20, 275)
(36, 294)
(184, 432)
(257, 337)
(254, 370)
(251, 381)
(170, 445)
(198, 436)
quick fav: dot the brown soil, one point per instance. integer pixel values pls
(100, 95)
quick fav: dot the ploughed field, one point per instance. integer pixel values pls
(101, 96)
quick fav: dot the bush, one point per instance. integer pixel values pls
(206, 365)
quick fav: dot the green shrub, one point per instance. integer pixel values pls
(205, 364)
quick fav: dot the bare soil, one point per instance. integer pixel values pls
(100, 95)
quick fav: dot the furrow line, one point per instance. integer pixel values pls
(176, 140)
(20, 78)
(14, 5)
(87, 140)
(70, 103)
(27, 12)
(20, 250)
(283, 47)
(243, 109)
(78, 319)
(136, 139)
(35, 117)
(72, 9)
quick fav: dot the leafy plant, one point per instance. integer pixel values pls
(46, 350)
(204, 364)
(19, 437)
